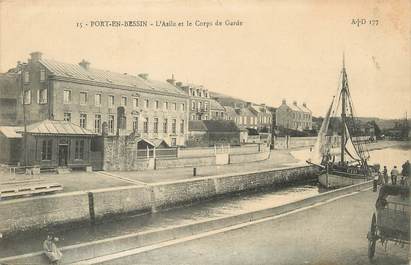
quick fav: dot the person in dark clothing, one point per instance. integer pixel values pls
(385, 174)
(406, 169)
(394, 175)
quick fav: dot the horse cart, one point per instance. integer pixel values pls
(391, 220)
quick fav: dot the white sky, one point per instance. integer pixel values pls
(285, 49)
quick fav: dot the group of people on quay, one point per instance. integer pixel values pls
(405, 174)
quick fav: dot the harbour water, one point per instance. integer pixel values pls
(236, 204)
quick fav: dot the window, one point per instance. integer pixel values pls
(27, 97)
(79, 150)
(206, 117)
(67, 96)
(205, 105)
(26, 77)
(193, 93)
(165, 125)
(135, 103)
(174, 106)
(146, 103)
(123, 101)
(193, 105)
(111, 123)
(165, 105)
(145, 125)
(83, 120)
(173, 126)
(67, 116)
(156, 125)
(193, 117)
(46, 150)
(97, 100)
(173, 141)
(42, 75)
(135, 124)
(183, 107)
(182, 126)
(97, 123)
(111, 101)
(43, 96)
(157, 104)
(83, 98)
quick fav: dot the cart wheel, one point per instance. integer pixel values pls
(372, 237)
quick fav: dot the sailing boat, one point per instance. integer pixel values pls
(351, 167)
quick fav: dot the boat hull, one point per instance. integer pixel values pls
(335, 180)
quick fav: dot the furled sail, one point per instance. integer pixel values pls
(321, 147)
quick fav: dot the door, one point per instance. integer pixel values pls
(63, 155)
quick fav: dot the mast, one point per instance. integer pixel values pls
(343, 109)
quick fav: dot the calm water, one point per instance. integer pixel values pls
(220, 207)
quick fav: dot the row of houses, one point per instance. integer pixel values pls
(59, 101)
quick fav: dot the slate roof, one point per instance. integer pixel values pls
(57, 128)
(305, 109)
(245, 111)
(76, 71)
(230, 111)
(213, 126)
(214, 105)
(11, 132)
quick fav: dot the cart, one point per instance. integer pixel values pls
(391, 220)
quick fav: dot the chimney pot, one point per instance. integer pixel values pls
(36, 56)
(84, 64)
(304, 104)
(284, 101)
(295, 103)
(179, 84)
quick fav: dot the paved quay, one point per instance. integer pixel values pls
(331, 233)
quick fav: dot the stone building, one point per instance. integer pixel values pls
(199, 105)
(217, 111)
(9, 95)
(264, 117)
(231, 114)
(90, 97)
(294, 116)
(246, 117)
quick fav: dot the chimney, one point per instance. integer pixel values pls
(284, 102)
(304, 104)
(179, 84)
(36, 56)
(84, 64)
(143, 75)
(295, 103)
(172, 80)
(248, 104)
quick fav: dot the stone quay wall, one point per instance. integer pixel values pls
(39, 212)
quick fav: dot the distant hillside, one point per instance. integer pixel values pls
(382, 123)
(226, 100)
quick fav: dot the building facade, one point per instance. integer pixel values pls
(293, 116)
(246, 118)
(264, 117)
(199, 105)
(90, 97)
(217, 111)
(213, 132)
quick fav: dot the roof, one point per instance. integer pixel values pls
(213, 126)
(76, 71)
(214, 105)
(11, 132)
(57, 128)
(230, 111)
(245, 111)
(155, 142)
(304, 108)
(295, 107)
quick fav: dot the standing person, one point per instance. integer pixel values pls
(394, 175)
(406, 169)
(385, 173)
(51, 250)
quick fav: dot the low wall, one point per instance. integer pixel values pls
(108, 246)
(70, 207)
(245, 158)
(185, 162)
(32, 213)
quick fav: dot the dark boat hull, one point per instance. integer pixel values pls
(335, 179)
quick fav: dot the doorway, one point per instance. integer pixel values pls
(63, 155)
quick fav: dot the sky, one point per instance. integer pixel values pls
(283, 50)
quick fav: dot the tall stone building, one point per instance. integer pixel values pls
(294, 116)
(90, 97)
(199, 106)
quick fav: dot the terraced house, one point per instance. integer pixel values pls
(95, 99)
(294, 116)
